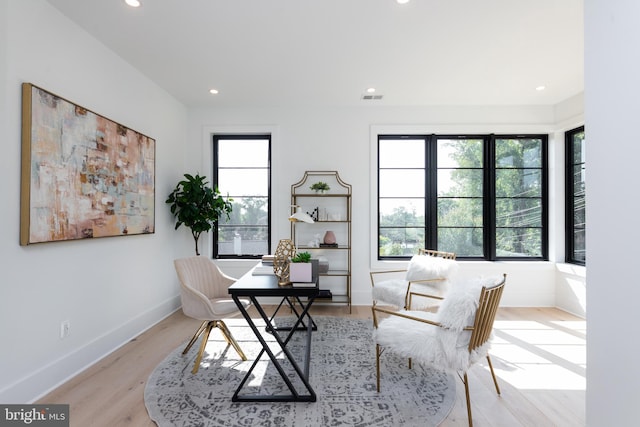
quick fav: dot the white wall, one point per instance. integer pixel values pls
(342, 139)
(109, 289)
(612, 61)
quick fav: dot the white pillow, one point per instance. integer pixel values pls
(426, 267)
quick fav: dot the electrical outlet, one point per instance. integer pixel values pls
(65, 328)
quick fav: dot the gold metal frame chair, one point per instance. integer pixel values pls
(205, 296)
(376, 275)
(481, 329)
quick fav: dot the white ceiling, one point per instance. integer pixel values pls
(328, 52)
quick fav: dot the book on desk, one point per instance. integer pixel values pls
(303, 284)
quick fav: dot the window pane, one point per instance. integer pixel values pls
(579, 212)
(578, 180)
(579, 251)
(401, 153)
(253, 153)
(518, 153)
(579, 152)
(518, 183)
(460, 182)
(401, 212)
(243, 182)
(460, 212)
(243, 240)
(402, 183)
(518, 242)
(248, 210)
(460, 153)
(465, 242)
(518, 213)
(400, 241)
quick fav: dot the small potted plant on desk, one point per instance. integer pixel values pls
(300, 269)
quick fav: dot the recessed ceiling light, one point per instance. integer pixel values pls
(371, 90)
(213, 91)
(540, 88)
(402, 1)
(133, 3)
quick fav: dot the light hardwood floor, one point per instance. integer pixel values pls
(539, 355)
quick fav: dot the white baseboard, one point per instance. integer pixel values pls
(51, 375)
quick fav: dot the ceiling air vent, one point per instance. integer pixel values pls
(369, 97)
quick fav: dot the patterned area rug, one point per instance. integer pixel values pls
(342, 373)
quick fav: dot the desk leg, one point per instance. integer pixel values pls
(304, 376)
(295, 312)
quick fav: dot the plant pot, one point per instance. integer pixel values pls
(300, 272)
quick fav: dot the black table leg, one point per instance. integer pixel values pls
(310, 396)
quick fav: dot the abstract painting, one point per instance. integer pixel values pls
(83, 175)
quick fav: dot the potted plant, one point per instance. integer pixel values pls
(198, 206)
(300, 267)
(320, 187)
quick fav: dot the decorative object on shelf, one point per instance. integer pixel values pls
(314, 215)
(323, 265)
(198, 206)
(281, 261)
(299, 217)
(315, 243)
(300, 267)
(77, 180)
(329, 238)
(320, 187)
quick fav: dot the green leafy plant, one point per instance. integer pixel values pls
(198, 206)
(320, 186)
(301, 257)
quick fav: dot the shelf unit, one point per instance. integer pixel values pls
(331, 211)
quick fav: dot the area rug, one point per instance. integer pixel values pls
(342, 373)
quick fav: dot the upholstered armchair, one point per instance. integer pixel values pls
(427, 275)
(205, 296)
(452, 339)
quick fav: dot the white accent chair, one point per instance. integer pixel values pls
(205, 296)
(427, 275)
(453, 339)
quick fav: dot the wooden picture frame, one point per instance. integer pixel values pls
(83, 175)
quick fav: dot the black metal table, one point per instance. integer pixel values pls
(254, 286)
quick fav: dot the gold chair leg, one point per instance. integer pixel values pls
(378, 366)
(466, 392)
(203, 345)
(495, 380)
(229, 337)
(195, 336)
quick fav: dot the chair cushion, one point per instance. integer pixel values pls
(426, 267)
(412, 339)
(394, 292)
(391, 291)
(226, 306)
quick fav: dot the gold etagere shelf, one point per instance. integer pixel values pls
(331, 211)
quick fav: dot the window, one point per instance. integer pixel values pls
(242, 169)
(575, 245)
(480, 196)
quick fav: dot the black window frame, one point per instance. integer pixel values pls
(489, 195)
(241, 136)
(570, 198)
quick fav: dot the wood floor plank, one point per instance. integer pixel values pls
(111, 392)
